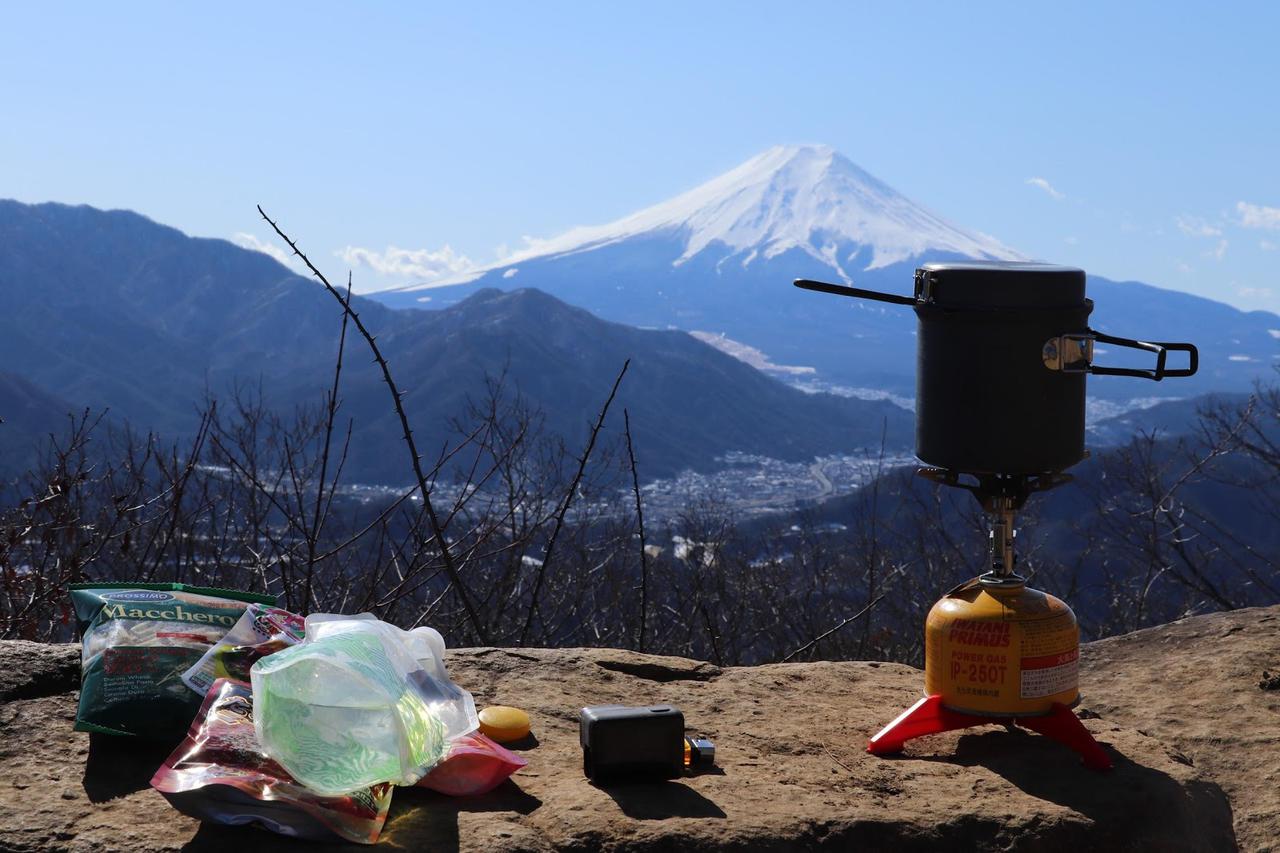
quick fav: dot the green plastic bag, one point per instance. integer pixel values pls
(137, 640)
(358, 702)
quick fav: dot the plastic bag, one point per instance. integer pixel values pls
(475, 765)
(357, 702)
(261, 631)
(452, 705)
(137, 641)
(220, 774)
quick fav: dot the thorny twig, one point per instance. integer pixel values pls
(317, 519)
(831, 631)
(644, 557)
(568, 499)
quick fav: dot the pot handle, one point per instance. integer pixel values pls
(1160, 348)
(857, 293)
(1073, 353)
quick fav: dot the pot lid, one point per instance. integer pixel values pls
(1000, 284)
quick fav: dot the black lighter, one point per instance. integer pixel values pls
(648, 742)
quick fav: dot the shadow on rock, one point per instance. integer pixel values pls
(117, 766)
(421, 819)
(529, 741)
(1130, 794)
(660, 800)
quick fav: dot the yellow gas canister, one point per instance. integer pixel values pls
(1001, 649)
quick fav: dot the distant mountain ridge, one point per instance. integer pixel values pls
(108, 309)
(28, 414)
(689, 403)
(720, 259)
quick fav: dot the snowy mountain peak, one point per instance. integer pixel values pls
(790, 197)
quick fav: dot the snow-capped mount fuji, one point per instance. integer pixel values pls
(720, 259)
(807, 198)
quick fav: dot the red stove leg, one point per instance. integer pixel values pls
(926, 717)
(1063, 726)
(929, 716)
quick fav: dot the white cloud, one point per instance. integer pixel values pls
(1218, 252)
(511, 272)
(248, 241)
(1047, 187)
(425, 264)
(1258, 216)
(1260, 292)
(1194, 226)
(1182, 266)
(1268, 246)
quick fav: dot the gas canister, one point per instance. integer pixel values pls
(998, 648)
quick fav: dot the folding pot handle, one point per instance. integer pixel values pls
(857, 293)
(1160, 348)
(1073, 353)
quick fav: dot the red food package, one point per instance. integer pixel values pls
(475, 765)
(220, 774)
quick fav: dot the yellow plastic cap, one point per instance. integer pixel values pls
(504, 723)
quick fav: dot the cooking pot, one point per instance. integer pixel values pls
(1003, 350)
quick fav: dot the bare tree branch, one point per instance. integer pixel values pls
(415, 459)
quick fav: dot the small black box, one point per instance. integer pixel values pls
(619, 742)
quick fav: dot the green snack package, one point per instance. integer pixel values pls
(138, 639)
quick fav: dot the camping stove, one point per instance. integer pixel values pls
(995, 649)
(1002, 354)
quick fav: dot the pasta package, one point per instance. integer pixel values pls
(261, 631)
(137, 641)
(220, 774)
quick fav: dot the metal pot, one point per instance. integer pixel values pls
(1002, 354)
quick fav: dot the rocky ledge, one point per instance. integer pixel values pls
(1180, 708)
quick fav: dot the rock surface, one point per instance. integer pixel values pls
(1179, 708)
(1197, 685)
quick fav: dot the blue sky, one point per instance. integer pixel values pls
(1153, 129)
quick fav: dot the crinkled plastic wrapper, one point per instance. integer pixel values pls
(220, 774)
(475, 765)
(359, 702)
(261, 631)
(137, 641)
